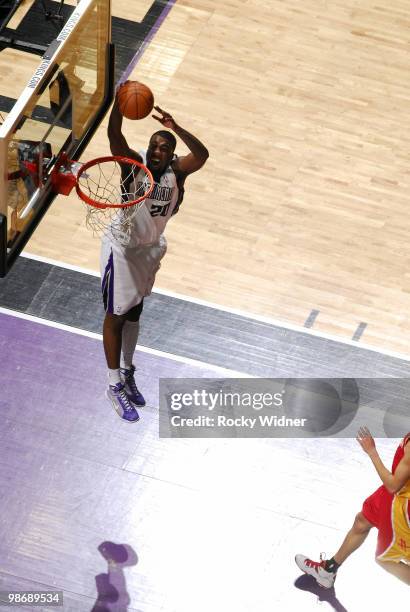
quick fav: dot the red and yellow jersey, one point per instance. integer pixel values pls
(394, 532)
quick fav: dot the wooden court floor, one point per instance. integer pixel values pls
(303, 204)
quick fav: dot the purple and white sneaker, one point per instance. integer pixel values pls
(131, 388)
(121, 403)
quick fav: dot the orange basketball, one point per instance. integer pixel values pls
(135, 100)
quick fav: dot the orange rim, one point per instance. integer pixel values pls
(121, 160)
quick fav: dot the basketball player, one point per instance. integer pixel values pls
(387, 509)
(128, 273)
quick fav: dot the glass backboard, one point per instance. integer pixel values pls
(59, 110)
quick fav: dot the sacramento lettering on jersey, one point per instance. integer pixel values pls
(161, 194)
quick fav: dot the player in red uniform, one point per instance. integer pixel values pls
(387, 509)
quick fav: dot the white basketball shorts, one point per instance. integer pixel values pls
(128, 274)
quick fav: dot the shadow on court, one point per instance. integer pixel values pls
(112, 595)
(308, 583)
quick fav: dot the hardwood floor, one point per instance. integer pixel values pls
(303, 202)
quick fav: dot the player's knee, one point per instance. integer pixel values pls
(114, 322)
(361, 525)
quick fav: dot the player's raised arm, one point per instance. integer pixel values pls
(392, 482)
(118, 143)
(198, 152)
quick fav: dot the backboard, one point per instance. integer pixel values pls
(59, 110)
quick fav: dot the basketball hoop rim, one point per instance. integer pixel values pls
(121, 160)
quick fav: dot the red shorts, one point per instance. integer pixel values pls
(372, 506)
(377, 510)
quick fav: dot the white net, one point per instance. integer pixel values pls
(117, 191)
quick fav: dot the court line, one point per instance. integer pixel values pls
(359, 331)
(59, 264)
(286, 325)
(310, 321)
(140, 349)
(246, 315)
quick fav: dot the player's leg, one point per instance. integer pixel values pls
(354, 538)
(142, 266)
(117, 293)
(130, 333)
(116, 392)
(112, 340)
(324, 571)
(400, 570)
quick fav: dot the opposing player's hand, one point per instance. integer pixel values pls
(166, 119)
(365, 439)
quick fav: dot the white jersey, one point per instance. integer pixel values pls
(128, 272)
(150, 219)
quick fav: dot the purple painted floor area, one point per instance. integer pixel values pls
(123, 521)
(55, 382)
(61, 442)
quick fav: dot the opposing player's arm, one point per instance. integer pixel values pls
(198, 152)
(392, 482)
(118, 143)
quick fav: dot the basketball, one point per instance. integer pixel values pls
(135, 100)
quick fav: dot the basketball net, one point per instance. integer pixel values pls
(113, 189)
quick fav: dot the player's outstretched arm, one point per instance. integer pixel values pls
(118, 143)
(198, 152)
(392, 482)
